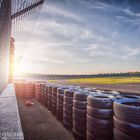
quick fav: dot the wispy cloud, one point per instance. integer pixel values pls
(92, 47)
(131, 13)
(54, 10)
(103, 36)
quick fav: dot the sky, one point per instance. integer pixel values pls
(82, 37)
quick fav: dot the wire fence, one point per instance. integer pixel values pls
(8, 8)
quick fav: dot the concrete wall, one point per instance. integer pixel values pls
(5, 31)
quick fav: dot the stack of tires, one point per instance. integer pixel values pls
(68, 107)
(100, 117)
(54, 99)
(44, 94)
(37, 90)
(29, 90)
(79, 114)
(60, 98)
(49, 97)
(19, 89)
(127, 119)
(41, 93)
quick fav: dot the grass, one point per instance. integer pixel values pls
(111, 80)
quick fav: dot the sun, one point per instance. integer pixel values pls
(21, 67)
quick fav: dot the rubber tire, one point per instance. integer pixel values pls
(120, 107)
(91, 137)
(99, 122)
(68, 100)
(100, 101)
(67, 125)
(80, 104)
(78, 136)
(119, 135)
(81, 96)
(78, 119)
(101, 133)
(67, 106)
(67, 112)
(67, 118)
(127, 96)
(69, 92)
(126, 112)
(79, 112)
(128, 128)
(100, 113)
(79, 128)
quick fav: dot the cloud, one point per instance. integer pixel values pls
(131, 13)
(53, 10)
(131, 52)
(73, 34)
(92, 47)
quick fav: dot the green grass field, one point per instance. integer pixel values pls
(111, 80)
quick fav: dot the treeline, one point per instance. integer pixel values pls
(58, 77)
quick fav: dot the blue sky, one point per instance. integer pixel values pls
(83, 37)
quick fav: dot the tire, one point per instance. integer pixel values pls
(69, 92)
(80, 104)
(101, 133)
(130, 118)
(112, 93)
(99, 122)
(91, 137)
(67, 125)
(79, 112)
(50, 88)
(60, 105)
(127, 97)
(100, 101)
(54, 102)
(53, 111)
(100, 113)
(122, 105)
(81, 95)
(80, 119)
(129, 108)
(67, 112)
(67, 106)
(119, 135)
(60, 96)
(54, 98)
(92, 126)
(61, 90)
(79, 136)
(54, 90)
(59, 102)
(67, 118)
(128, 128)
(68, 100)
(80, 126)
